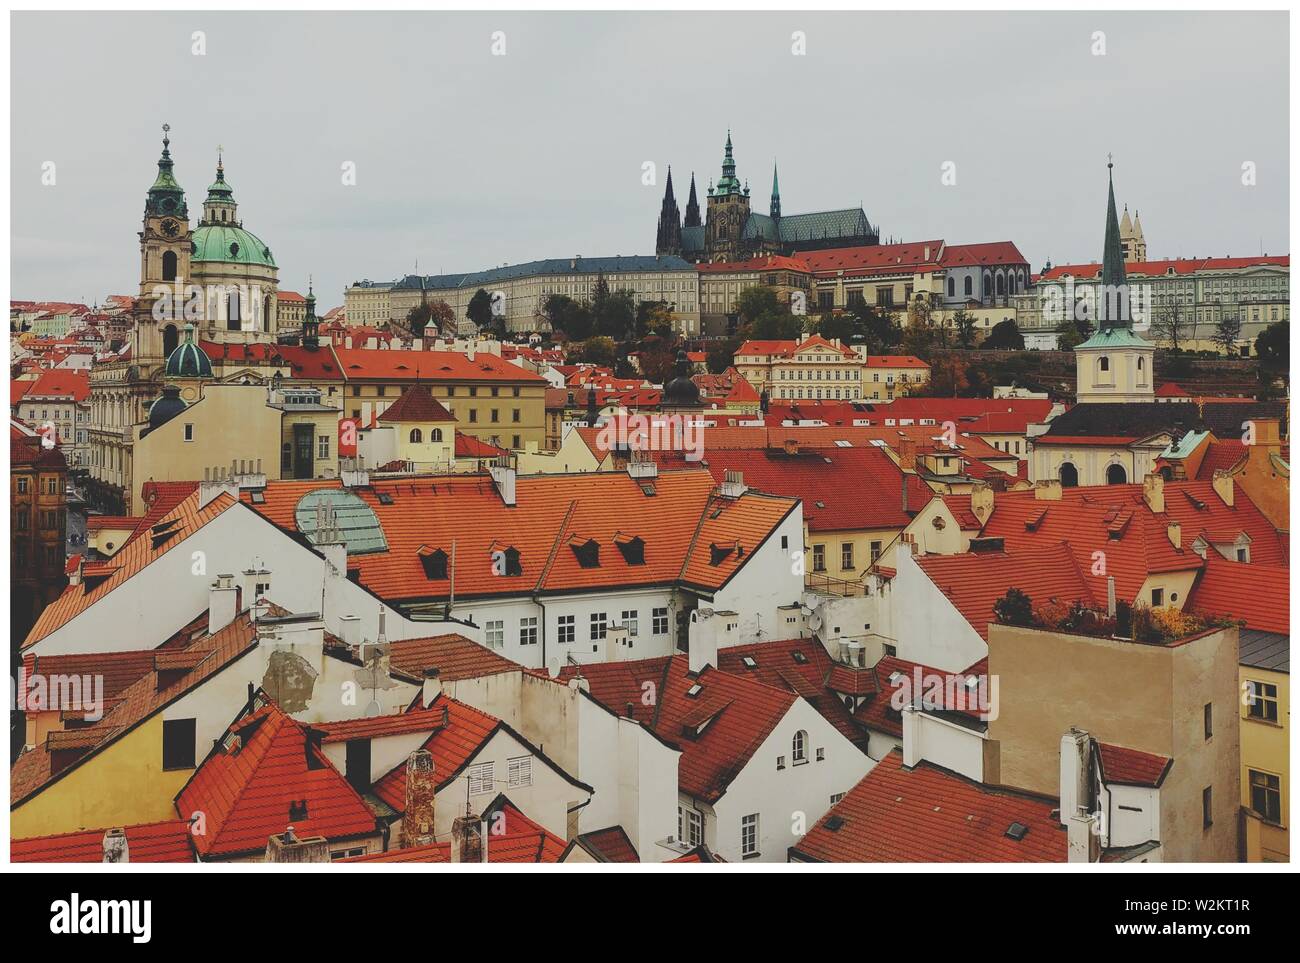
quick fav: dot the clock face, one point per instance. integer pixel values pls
(170, 228)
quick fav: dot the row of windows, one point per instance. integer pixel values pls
(598, 625)
(846, 555)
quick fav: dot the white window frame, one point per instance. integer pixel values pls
(659, 616)
(494, 633)
(520, 771)
(528, 630)
(749, 836)
(480, 778)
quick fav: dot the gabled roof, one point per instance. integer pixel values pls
(717, 727)
(169, 841)
(137, 554)
(61, 383)
(1121, 766)
(115, 671)
(520, 839)
(910, 257)
(264, 776)
(676, 514)
(609, 845)
(366, 364)
(416, 405)
(974, 581)
(991, 253)
(1256, 593)
(931, 815)
(452, 745)
(148, 695)
(454, 656)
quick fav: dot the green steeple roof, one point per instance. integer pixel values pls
(776, 194)
(1112, 268)
(220, 190)
(729, 183)
(189, 360)
(166, 196)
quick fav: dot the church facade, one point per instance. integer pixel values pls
(731, 231)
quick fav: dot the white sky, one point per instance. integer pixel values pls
(467, 160)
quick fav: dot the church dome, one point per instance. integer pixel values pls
(188, 360)
(166, 408)
(221, 243)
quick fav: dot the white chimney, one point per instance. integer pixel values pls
(350, 630)
(470, 350)
(1110, 595)
(733, 484)
(1082, 839)
(617, 643)
(702, 640)
(1076, 775)
(222, 604)
(504, 475)
(911, 744)
(432, 685)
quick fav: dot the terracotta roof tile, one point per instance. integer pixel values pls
(1131, 767)
(416, 404)
(168, 841)
(452, 745)
(1258, 594)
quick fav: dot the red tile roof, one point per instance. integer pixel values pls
(115, 671)
(1161, 268)
(1258, 594)
(17, 389)
(914, 257)
(467, 446)
(247, 790)
(454, 656)
(185, 519)
(1131, 767)
(432, 853)
(416, 404)
(610, 845)
(452, 745)
(61, 383)
(766, 262)
(974, 581)
(514, 838)
(677, 524)
(718, 729)
(930, 815)
(362, 364)
(895, 361)
(786, 349)
(990, 252)
(1220, 456)
(168, 841)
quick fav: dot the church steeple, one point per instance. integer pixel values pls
(692, 206)
(1113, 298)
(775, 209)
(729, 183)
(165, 196)
(668, 239)
(220, 207)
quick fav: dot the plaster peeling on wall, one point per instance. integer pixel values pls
(289, 680)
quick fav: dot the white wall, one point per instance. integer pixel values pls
(928, 627)
(767, 581)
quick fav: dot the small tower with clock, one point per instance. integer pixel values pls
(165, 249)
(728, 212)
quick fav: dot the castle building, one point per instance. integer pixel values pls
(731, 231)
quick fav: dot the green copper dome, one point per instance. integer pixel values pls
(189, 360)
(229, 244)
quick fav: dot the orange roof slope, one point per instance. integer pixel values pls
(454, 656)
(452, 745)
(930, 815)
(974, 581)
(173, 529)
(248, 787)
(1132, 767)
(169, 841)
(1259, 595)
(416, 404)
(364, 364)
(674, 517)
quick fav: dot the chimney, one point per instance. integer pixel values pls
(702, 640)
(1076, 774)
(1175, 531)
(1224, 486)
(903, 499)
(418, 826)
(981, 501)
(1082, 839)
(1110, 595)
(1153, 492)
(74, 577)
(1268, 433)
(288, 848)
(1048, 490)
(733, 484)
(467, 842)
(470, 350)
(617, 643)
(503, 474)
(116, 848)
(350, 630)
(432, 685)
(906, 452)
(911, 744)
(222, 603)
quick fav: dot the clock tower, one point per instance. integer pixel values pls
(728, 212)
(165, 248)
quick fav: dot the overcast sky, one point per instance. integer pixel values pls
(467, 160)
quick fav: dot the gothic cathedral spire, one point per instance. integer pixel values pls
(692, 206)
(668, 240)
(775, 209)
(1113, 297)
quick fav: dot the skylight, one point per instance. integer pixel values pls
(354, 520)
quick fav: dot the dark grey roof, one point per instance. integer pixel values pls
(1225, 418)
(847, 223)
(693, 238)
(1135, 419)
(630, 264)
(1265, 650)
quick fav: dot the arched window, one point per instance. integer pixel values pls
(416, 436)
(1116, 475)
(968, 285)
(1141, 363)
(171, 338)
(232, 311)
(1001, 284)
(1069, 475)
(435, 434)
(799, 747)
(952, 287)
(1103, 363)
(169, 265)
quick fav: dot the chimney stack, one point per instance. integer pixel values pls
(1175, 532)
(467, 840)
(503, 474)
(350, 630)
(288, 848)
(1110, 596)
(1153, 492)
(1224, 487)
(116, 848)
(222, 603)
(1048, 490)
(702, 640)
(906, 452)
(981, 501)
(418, 819)
(432, 685)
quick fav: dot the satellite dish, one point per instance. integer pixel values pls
(373, 709)
(814, 621)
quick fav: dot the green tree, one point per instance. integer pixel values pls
(1014, 608)
(842, 326)
(1273, 348)
(878, 328)
(963, 323)
(569, 316)
(479, 309)
(1226, 333)
(599, 351)
(1005, 336)
(721, 354)
(756, 301)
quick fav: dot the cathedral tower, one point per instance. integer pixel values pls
(668, 240)
(728, 212)
(692, 206)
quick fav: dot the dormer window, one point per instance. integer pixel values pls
(513, 565)
(587, 552)
(632, 548)
(435, 564)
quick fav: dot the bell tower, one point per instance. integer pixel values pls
(728, 212)
(165, 248)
